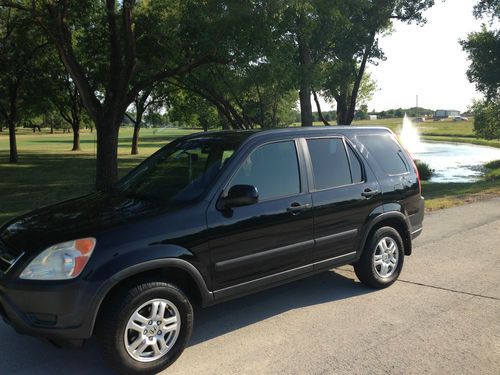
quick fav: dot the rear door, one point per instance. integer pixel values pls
(272, 238)
(343, 193)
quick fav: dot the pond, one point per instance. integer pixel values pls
(455, 162)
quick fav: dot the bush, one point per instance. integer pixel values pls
(424, 170)
(487, 119)
(492, 170)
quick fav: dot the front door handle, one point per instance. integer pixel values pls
(296, 207)
(368, 193)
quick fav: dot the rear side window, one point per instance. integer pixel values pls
(386, 152)
(273, 169)
(330, 163)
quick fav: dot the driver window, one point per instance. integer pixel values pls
(273, 169)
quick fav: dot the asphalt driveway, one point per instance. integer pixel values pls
(443, 316)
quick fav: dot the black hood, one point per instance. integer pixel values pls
(76, 218)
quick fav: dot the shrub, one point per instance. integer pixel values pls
(424, 170)
(487, 119)
(492, 170)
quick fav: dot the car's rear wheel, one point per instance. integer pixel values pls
(144, 328)
(382, 259)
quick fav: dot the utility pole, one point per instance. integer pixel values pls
(416, 110)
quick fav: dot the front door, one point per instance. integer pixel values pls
(254, 244)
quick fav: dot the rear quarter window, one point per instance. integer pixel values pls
(386, 152)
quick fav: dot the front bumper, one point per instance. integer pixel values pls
(59, 312)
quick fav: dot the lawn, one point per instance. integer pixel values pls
(48, 171)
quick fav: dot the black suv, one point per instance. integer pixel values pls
(209, 217)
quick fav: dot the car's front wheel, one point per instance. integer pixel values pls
(145, 327)
(382, 259)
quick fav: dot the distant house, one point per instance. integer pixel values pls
(373, 117)
(445, 113)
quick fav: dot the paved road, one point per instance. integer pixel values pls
(443, 316)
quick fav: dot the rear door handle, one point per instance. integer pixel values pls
(296, 207)
(368, 193)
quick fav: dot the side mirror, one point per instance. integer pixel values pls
(240, 195)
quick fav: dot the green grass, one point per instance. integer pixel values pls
(444, 195)
(48, 171)
(475, 141)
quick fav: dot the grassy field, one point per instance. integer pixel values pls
(48, 171)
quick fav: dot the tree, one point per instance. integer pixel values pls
(487, 8)
(334, 41)
(483, 49)
(146, 99)
(362, 112)
(63, 95)
(98, 45)
(20, 45)
(258, 87)
(349, 57)
(191, 110)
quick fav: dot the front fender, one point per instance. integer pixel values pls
(142, 260)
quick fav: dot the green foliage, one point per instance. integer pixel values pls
(487, 119)
(485, 8)
(483, 49)
(400, 112)
(362, 112)
(21, 50)
(424, 170)
(192, 111)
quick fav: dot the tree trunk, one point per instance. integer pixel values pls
(318, 106)
(342, 108)
(76, 136)
(305, 80)
(306, 117)
(12, 141)
(135, 137)
(357, 83)
(107, 155)
(204, 124)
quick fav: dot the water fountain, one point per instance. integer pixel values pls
(409, 136)
(452, 162)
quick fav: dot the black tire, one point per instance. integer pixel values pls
(365, 268)
(119, 309)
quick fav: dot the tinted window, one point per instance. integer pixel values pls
(356, 170)
(386, 151)
(180, 172)
(273, 169)
(330, 163)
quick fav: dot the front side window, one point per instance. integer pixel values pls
(273, 169)
(179, 173)
(330, 163)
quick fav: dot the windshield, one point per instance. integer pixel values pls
(181, 172)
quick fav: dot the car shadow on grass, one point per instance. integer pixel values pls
(28, 355)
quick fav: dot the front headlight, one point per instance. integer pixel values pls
(61, 262)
